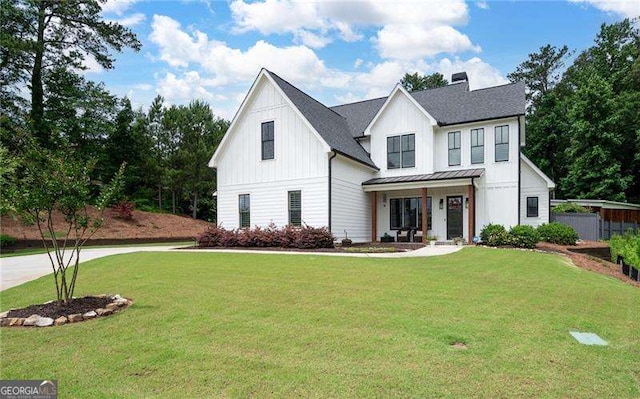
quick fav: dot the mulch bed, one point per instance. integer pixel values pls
(586, 261)
(52, 310)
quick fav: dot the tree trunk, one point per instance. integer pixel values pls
(195, 205)
(160, 196)
(173, 200)
(37, 89)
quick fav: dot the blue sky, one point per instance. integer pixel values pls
(336, 51)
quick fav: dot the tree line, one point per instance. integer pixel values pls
(44, 94)
(583, 113)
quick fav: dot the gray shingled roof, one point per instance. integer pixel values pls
(330, 125)
(360, 114)
(446, 175)
(449, 105)
(455, 104)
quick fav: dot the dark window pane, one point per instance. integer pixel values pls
(532, 207)
(295, 208)
(408, 159)
(267, 140)
(244, 207)
(395, 212)
(454, 157)
(477, 154)
(502, 152)
(393, 152)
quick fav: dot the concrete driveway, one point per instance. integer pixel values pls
(17, 270)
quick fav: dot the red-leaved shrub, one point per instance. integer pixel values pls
(306, 237)
(123, 210)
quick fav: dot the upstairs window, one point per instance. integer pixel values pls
(477, 145)
(401, 151)
(244, 209)
(502, 143)
(267, 141)
(454, 148)
(295, 208)
(532, 207)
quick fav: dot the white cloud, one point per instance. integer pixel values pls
(311, 39)
(117, 7)
(358, 63)
(414, 41)
(426, 27)
(131, 20)
(231, 65)
(480, 73)
(482, 4)
(622, 8)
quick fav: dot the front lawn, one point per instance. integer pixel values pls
(206, 324)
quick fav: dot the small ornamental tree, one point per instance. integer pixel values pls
(56, 182)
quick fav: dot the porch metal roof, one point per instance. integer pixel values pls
(446, 175)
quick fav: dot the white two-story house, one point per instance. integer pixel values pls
(446, 158)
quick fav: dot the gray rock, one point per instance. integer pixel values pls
(89, 315)
(31, 320)
(4, 314)
(44, 322)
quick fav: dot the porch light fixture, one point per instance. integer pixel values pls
(466, 202)
(441, 203)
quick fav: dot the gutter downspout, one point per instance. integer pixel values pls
(519, 171)
(330, 159)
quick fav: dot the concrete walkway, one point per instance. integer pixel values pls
(17, 270)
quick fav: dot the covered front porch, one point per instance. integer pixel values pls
(444, 202)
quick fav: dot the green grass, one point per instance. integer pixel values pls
(35, 251)
(214, 324)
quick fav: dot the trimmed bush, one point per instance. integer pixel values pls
(570, 207)
(305, 237)
(523, 236)
(7, 241)
(494, 235)
(558, 233)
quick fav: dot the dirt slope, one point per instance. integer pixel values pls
(144, 225)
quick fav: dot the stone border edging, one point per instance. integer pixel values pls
(117, 304)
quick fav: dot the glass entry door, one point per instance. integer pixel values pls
(454, 217)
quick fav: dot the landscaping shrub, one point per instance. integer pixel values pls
(523, 236)
(7, 241)
(123, 210)
(494, 235)
(314, 237)
(627, 246)
(557, 233)
(570, 207)
(306, 237)
(211, 237)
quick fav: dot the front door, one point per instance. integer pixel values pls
(454, 217)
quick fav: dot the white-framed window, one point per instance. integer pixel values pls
(477, 146)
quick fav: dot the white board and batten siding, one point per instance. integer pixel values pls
(300, 163)
(497, 190)
(401, 116)
(533, 185)
(350, 205)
